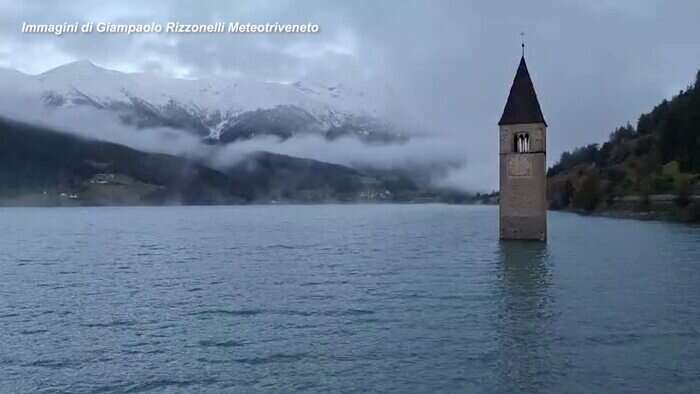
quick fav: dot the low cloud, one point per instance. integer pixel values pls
(441, 157)
(86, 122)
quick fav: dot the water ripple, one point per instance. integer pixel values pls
(114, 323)
(224, 344)
(275, 358)
(390, 298)
(227, 312)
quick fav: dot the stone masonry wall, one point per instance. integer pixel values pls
(523, 204)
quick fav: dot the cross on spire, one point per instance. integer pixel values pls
(522, 42)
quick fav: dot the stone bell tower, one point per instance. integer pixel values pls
(523, 150)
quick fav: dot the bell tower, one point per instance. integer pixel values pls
(523, 151)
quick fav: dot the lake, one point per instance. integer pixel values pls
(343, 298)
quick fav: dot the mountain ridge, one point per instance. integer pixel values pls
(209, 108)
(41, 166)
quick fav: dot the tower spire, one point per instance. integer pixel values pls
(522, 105)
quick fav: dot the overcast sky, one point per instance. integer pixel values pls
(447, 65)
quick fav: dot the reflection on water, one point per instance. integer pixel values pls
(524, 264)
(525, 315)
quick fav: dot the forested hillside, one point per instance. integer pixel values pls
(651, 166)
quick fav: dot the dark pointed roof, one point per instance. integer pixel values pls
(522, 105)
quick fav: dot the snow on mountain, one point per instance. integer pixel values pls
(216, 109)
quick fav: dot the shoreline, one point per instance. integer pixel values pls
(254, 203)
(646, 216)
(652, 215)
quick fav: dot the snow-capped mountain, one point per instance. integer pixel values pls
(218, 110)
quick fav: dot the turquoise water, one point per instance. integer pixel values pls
(343, 298)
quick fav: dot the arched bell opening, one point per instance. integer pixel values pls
(521, 143)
